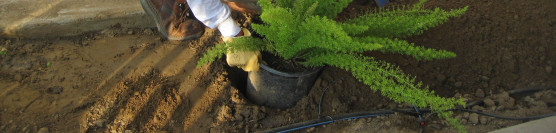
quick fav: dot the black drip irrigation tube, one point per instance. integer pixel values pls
(410, 111)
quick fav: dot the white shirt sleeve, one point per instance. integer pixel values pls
(215, 14)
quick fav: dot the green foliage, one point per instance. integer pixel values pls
(306, 29)
(390, 81)
(399, 22)
(3, 53)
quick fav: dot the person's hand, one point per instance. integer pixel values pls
(246, 60)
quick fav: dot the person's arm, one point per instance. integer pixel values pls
(215, 14)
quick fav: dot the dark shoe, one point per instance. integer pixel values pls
(173, 19)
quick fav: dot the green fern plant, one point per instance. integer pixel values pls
(304, 29)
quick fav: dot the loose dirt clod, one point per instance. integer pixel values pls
(55, 90)
(489, 103)
(474, 118)
(225, 114)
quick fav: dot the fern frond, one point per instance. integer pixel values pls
(390, 81)
(406, 48)
(401, 23)
(212, 54)
(321, 32)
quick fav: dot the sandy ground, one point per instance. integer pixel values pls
(132, 80)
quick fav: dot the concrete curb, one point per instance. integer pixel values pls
(55, 18)
(545, 125)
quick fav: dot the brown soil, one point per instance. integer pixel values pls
(131, 80)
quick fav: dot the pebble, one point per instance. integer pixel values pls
(477, 107)
(548, 69)
(311, 129)
(458, 84)
(99, 123)
(480, 93)
(387, 123)
(474, 118)
(489, 102)
(43, 130)
(466, 115)
(130, 32)
(148, 32)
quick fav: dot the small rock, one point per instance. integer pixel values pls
(43, 130)
(474, 118)
(477, 107)
(387, 123)
(483, 120)
(55, 90)
(130, 32)
(311, 129)
(458, 84)
(489, 103)
(128, 131)
(24, 128)
(480, 93)
(468, 96)
(148, 31)
(465, 115)
(8, 42)
(99, 123)
(548, 69)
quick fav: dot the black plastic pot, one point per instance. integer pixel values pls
(276, 89)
